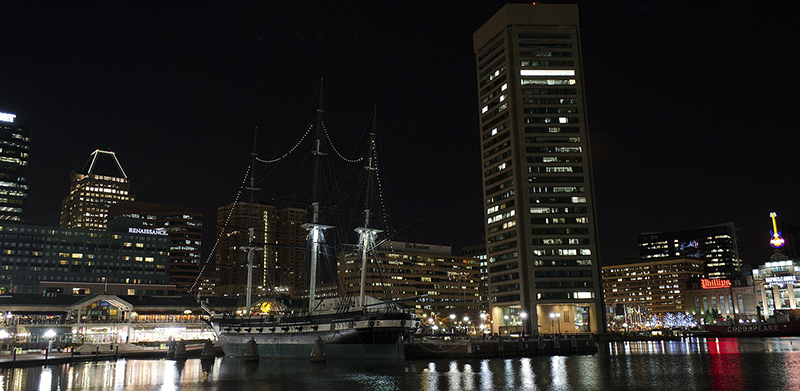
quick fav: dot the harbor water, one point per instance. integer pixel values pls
(688, 364)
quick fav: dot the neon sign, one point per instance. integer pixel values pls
(777, 241)
(705, 283)
(148, 231)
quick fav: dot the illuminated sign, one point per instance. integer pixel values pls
(777, 241)
(714, 284)
(780, 279)
(7, 117)
(148, 231)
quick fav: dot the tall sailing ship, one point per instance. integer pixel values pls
(360, 327)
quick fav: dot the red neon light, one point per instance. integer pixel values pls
(714, 284)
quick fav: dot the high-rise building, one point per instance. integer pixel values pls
(541, 235)
(717, 245)
(14, 148)
(279, 263)
(233, 230)
(185, 229)
(100, 184)
(291, 270)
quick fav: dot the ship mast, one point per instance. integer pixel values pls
(366, 235)
(314, 228)
(251, 248)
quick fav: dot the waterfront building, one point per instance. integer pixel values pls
(101, 183)
(728, 299)
(717, 245)
(650, 288)
(539, 206)
(14, 149)
(777, 284)
(31, 254)
(422, 276)
(103, 318)
(185, 229)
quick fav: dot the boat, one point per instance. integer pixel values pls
(784, 323)
(363, 328)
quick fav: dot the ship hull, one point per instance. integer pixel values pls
(756, 330)
(363, 339)
(336, 347)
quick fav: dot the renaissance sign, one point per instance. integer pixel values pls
(148, 231)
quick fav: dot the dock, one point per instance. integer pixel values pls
(104, 352)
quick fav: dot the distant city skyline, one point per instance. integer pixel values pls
(684, 133)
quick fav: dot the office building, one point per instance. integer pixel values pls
(422, 276)
(717, 246)
(653, 287)
(33, 254)
(478, 251)
(291, 270)
(234, 222)
(14, 148)
(185, 229)
(541, 235)
(100, 184)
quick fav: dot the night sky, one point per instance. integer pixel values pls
(690, 105)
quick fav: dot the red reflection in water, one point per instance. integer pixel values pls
(725, 366)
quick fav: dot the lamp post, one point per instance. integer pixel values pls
(552, 323)
(49, 334)
(558, 316)
(524, 316)
(452, 323)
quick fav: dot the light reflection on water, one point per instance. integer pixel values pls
(689, 364)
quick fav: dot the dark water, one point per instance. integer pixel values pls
(691, 364)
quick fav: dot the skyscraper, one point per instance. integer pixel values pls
(100, 184)
(541, 236)
(233, 224)
(14, 146)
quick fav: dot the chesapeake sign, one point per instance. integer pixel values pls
(750, 329)
(148, 231)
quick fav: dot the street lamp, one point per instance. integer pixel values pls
(524, 316)
(452, 323)
(49, 334)
(558, 316)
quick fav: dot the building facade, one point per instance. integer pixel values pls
(14, 149)
(184, 227)
(234, 222)
(423, 276)
(777, 284)
(717, 245)
(654, 287)
(541, 235)
(100, 184)
(707, 298)
(478, 251)
(31, 254)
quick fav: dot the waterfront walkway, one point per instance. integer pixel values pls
(91, 353)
